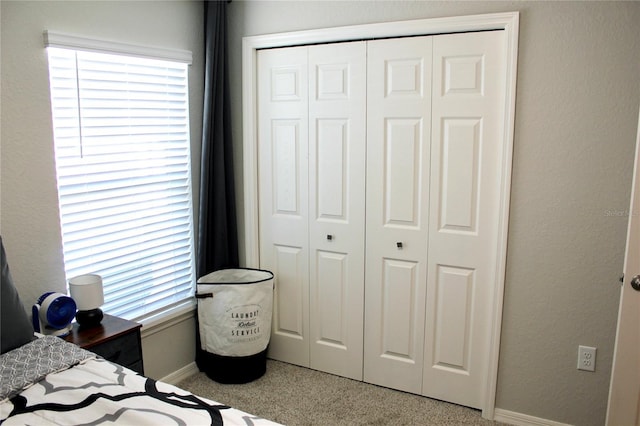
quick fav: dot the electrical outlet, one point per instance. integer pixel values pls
(586, 358)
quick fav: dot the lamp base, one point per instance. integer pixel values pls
(89, 318)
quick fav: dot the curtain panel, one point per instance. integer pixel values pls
(217, 234)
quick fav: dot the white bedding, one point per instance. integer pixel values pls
(94, 391)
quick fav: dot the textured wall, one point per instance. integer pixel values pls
(169, 348)
(29, 220)
(576, 117)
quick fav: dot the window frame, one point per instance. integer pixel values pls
(175, 312)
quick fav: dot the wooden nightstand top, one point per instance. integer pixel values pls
(110, 328)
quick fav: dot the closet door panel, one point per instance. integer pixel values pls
(402, 149)
(398, 140)
(337, 134)
(283, 191)
(460, 166)
(468, 102)
(399, 286)
(290, 264)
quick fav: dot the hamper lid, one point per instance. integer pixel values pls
(236, 276)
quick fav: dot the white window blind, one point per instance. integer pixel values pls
(121, 130)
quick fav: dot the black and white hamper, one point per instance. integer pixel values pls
(234, 320)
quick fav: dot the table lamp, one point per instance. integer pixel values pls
(86, 291)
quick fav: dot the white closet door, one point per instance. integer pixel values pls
(283, 196)
(468, 103)
(337, 132)
(398, 140)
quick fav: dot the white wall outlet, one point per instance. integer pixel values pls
(586, 358)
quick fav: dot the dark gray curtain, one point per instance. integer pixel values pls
(218, 235)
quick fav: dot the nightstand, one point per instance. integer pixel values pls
(115, 339)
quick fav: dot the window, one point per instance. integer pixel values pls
(121, 136)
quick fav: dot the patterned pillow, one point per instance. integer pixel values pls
(15, 327)
(30, 363)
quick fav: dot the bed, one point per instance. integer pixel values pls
(48, 381)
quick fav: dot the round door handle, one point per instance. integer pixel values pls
(329, 237)
(399, 244)
(635, 282)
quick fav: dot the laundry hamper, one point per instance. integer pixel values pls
(234, 321)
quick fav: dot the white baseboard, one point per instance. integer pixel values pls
(181, 374)
(518, 419)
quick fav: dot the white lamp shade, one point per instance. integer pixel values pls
(86, 291)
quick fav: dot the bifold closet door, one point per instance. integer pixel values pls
(283, 189)
(312, 182)
(466, 165)
(337, 133)
(429, 180)
(398, 161)
(435, 111)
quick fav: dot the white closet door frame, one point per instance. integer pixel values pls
(509, 22)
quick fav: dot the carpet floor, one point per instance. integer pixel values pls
(294, 395)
